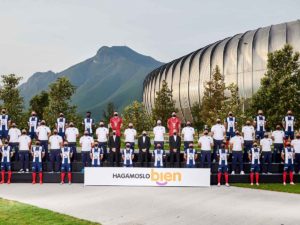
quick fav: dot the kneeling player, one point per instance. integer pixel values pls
(66, 155)
(5, 161)
(159, 155)
(96, 155)
(127, 156)
(190, 155)
(254, 156)
(223, 165)
(288, 156)
(38, 154)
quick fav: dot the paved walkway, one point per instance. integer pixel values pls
(156, 205)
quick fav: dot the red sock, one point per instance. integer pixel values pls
(41, 177)
(226, 177)
(33, 177)
(284, 176)
(2, 175)
(291, 176)
(62, 177)
(251, 177)
(219, 177)
(69, 176)
(9, 177)
(257, 177)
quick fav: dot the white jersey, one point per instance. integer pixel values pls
(188, 133)
(289, 155)
(206, 142)
(14, 134)
(55, 142)
(61, 124)
(5, 152)
(190, 156)
(289, 123)
(43, 132)
(278, 136)
(248, 132)
(66, 152)
(129, 134)
(159, 132)
(88, 124)
(230, 124)
(37, 153)
(237, 143)
(24, 142)
(33, 123)
(4, 122)
(255, 155)
(96, 154)
(102, 133)
(158, 157)
(127, 157)
(296, 145)
(71, 134)
(260, 123)
(266, 144)
(223, 154)
(86, 143)
(218, 130)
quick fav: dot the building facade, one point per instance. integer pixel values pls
(242, 60)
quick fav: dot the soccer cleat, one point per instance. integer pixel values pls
(242, 172)
(62, 183)
(292, 183)
(284, 183)
(232, 173)
(21, 171)
(219, 184)
(251, 184)
(257, 184)
(227, 185)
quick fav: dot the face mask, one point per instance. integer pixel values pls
(173, 115)
(42, 123)
(14, 126)
(127, 147)
(144, 134)
(6, 143)
(66, 145)
(3, 112)
(33, 115)
(115, 114)
(96, 145)
(114, 133)
(130, 127)
(230, 114)
(86, 134)
(24, 133)
(260, 114)
(71, 125)
(205, 133)
(55, 132)
(188, 125)
(158, 124)
(218, 122)
(101, 125)
(158, 147)
(255, 146)
(174, 133)
(248, 124)
(88, 116)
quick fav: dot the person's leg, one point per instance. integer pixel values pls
(275, 152)
(22, 157)
(215, 149)
(297, 162)
(27, 161)
(269, 160)
(83, 160)
(111, 158)
(178, 158)
(140, 158)
(52, 160)
(263, 162)
(172, 158)
(209, 159)
(57, 159)
(234, 160)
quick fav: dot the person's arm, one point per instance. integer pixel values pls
(43, 154)
(91, 154)
(282, 155)
(196, 155)
(184, 155)
(249, 156)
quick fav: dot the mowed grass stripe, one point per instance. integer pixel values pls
(272, 187)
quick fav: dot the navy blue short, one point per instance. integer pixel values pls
(5, 166)
(288, 167)
(66, 167)
(37, 167)
(223, 168)
(255, 168)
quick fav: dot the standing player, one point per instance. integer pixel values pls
(236, 146)
(230, 125)
(248, 132)
(260, 125)
(13, 135)
(127, 156)
(158, 155)
(56, 142)
(38, 153)
(43, 133)
(174, 123)
(266, 152)
(88, 123)
(86, 143)
(217, 132)
(254, 156)
(190, 155)
(66, 155)
(288, 123)
(5, 124)
(130, 134)
(288, 156)
(116, 123)
(205, 143)
(24, 145)
(296, 145)
(188, 135)
(223, 164)
(102, 137)
(96, 155)
(278, 138)
(159, 132)
(32, 125)
(72, 134)
(61, 125)
(5, 161)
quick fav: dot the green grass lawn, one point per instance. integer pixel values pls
(273, 187)
(15, 213)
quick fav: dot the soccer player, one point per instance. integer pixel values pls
(248, 133)
(218, 133)
(86, 143)
(190, 155)
(88, 123)
(72, 134)
(266, 152)
(254, 156)
(66, 155)
(127, 155)
(230, 125)
(38, 153)
(288, 156)
(116, 123)
(159, 156)
(96, 154)
(61, 125)
(13, 135)
(223, 164)
(278, 138)
(288, 123)
(24, 145)
(32, 125)
(175, 143)
(56, 142)
(188, 135)
(159, 132)
(174, 123)
(5, 161)
(43, 133)
(102, 137)
(205, 143)
(260, 124)
(5, 124)
(296, 145)
(130, 134)
(236, 146)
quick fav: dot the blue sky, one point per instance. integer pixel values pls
(40, 35)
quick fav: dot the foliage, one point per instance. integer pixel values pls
(108, 113)
(39, 103)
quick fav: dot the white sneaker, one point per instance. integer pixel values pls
(219, 184)
(269, 173)
(232, 173)
(242, 172)
(263, 173)
(292, 183)
(251, 184)
(284, 183)
(227, 185)
(257, 184)
(27, 170)
(21, 171)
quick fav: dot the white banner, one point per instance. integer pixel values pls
(181, 177)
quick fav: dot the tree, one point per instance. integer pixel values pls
(164, 104)
(136, 113)
(198, 122)
(279, 90)
(107, 114)
(10, 96)
(39, 103)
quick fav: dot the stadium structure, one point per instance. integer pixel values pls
(242, 60)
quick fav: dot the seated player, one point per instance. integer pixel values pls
(254, 156)
(288, 156)
(222, 154)
(96, 155)
(159, 155)
(6, 153)
(66, 155)
(38, 154)
(190, 155)
(127, 155)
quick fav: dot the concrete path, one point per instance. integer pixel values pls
(156, 205)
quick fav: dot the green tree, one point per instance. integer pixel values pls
(10, 96)
(108, 113)
(279, 90)
(136, 113)
(39, 103)
(164, 104)
(198, 121)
